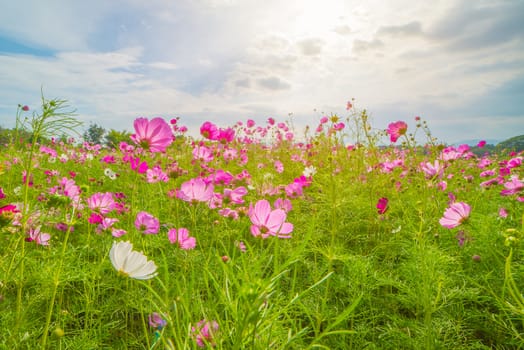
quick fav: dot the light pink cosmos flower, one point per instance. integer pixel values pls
(106, 224)
(234, 195)
(182, 238)
(267, 222)
(284, 204)
(279, 167)
(513, 186)
(195, 190)
(432, 170)
(156, 174)
(38, 237)
(102, 203)
(455, 215)
(204, 333)
(147, 223)
(154, 135)
(203, 154)
(396, 129)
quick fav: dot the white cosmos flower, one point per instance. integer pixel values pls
(110, 173)
(131, 263)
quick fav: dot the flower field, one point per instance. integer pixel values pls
(258, 236)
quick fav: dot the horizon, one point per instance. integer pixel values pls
(457, 64)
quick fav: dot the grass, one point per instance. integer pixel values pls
(348, 278)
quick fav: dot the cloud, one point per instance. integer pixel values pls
(310, 47)
(476, 25)
(273, 83)
(360, 46)
(342, 29)
(409, 29)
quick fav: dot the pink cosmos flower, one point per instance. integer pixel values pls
(202, 153)
(204, 332)
(513, 186)
(396, 129)
(220, 177)
(284, 204)
(267, 222)
(106, 224)
(455, 215)
(382, 205)
(294, 190)
(182, 238)
(226, 135)
(154, 135)
(156, 321)
(481, 144)
(432, 170)
(147, 223)
(234, 196)
(38, 237)
(279, 167)
(209, 131)
(514, 162)
(102, 203)
(139, 167)
(195, 190)
(156, 175)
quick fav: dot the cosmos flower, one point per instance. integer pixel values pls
(195, 190)
(40, 238)
(131, 263)
(396, 129)
(156, 321)
(204, 332)
(382, 205)
(182, 238)
(267, 222)
(455, 215)
(154, 135)
(102, 203)
(147, 223)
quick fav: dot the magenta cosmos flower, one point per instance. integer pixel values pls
(455, 215)
(195, 190)
(267, 222)
(154, 135)
(396, 129)
(382, 205)
(147, 223)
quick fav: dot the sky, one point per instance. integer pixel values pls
(458, 64)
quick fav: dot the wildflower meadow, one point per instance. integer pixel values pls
(257, 236)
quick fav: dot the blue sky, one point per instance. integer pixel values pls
(459, 64)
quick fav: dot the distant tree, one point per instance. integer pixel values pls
(513, 144)
(5, 136)
(114, 137)
(94, 134)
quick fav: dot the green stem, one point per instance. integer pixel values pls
(56, 282)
